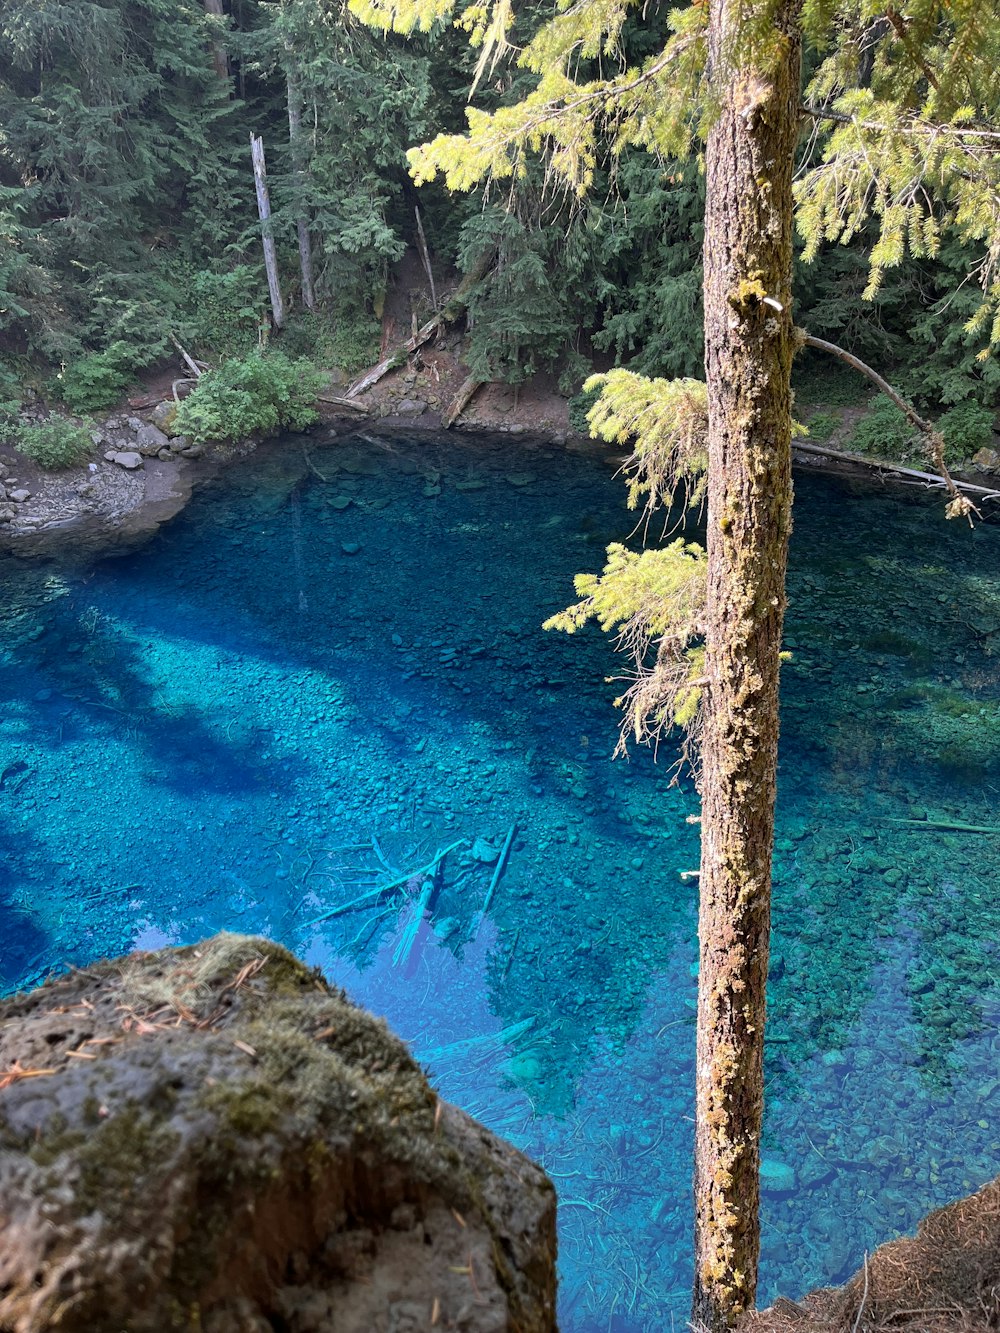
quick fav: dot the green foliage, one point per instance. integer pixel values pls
(225, 310)
(347, 338)
(821, 425)
(256, 395)
(97, 381)
(654, 602)
(10, 418)
(579, 408)
(966, 428)
(650, 261)
(661, 591)
(525, 312)
(668, 422)
(884, 432)
(55, 443)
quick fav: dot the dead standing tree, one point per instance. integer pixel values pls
(267, 231)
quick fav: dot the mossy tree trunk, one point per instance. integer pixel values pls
(748, 350)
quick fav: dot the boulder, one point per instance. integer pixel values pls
(410, 407)
(127, 458)
(7, 513)
(776, 1177)
(162, 415)
(20, 495)
(988, 460)
(216, 1130)
(149, 440)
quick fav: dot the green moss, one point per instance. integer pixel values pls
(122, 1159)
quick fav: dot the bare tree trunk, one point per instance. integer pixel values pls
(749, 347)
(219, 53)
(264, 209)
(298, 165)
(425, 257)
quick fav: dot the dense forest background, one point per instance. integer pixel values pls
(127, 213)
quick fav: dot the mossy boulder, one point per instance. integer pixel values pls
(214, 1139)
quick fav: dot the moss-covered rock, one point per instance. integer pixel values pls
(214, 1139)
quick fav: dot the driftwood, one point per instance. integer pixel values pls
(501, 862)
(944, 825)
(449, 312)
(341, 402)
(374, 894)
(929, 479)
(461, 401)
(408, 938)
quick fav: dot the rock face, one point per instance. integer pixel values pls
(213, 1139)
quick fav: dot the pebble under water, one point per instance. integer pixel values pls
(330, 669)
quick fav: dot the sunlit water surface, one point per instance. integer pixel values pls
(331, 669)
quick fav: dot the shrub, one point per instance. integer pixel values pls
(821, 425)
(225, 310)
(966, 428)
(260, 394)
(346, 337)
(97, 381)
(884, 432)
(55, 443)
(579, 405)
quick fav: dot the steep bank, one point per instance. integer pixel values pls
(946, 1279)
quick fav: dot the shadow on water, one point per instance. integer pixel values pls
(327, 672)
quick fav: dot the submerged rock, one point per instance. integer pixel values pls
(214, 1137)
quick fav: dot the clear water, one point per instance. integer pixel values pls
(245, 726)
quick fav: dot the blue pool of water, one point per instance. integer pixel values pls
(331, 668)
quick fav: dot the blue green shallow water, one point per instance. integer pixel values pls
(245, 725)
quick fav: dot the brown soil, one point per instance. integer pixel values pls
(944, 1280)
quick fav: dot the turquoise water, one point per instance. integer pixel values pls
(330, 669)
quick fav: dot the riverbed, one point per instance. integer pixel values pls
(328, 676)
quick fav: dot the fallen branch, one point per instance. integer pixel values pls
(502, 1038)
(312, 466)
(460, 402)
(453, 307)
(187, 358)
(961, 505)
(408, 938)
(425, 256)
(928, 478)
(341, 402)
(501, 862)
(376, 893)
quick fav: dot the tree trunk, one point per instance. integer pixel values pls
(748, 356)
(219, 53)
(299, 167)
(267, 232)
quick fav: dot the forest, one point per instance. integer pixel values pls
(128, 215)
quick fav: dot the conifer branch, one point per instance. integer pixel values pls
(913, 126)
(901, 30)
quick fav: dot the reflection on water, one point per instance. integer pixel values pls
(318, 705)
